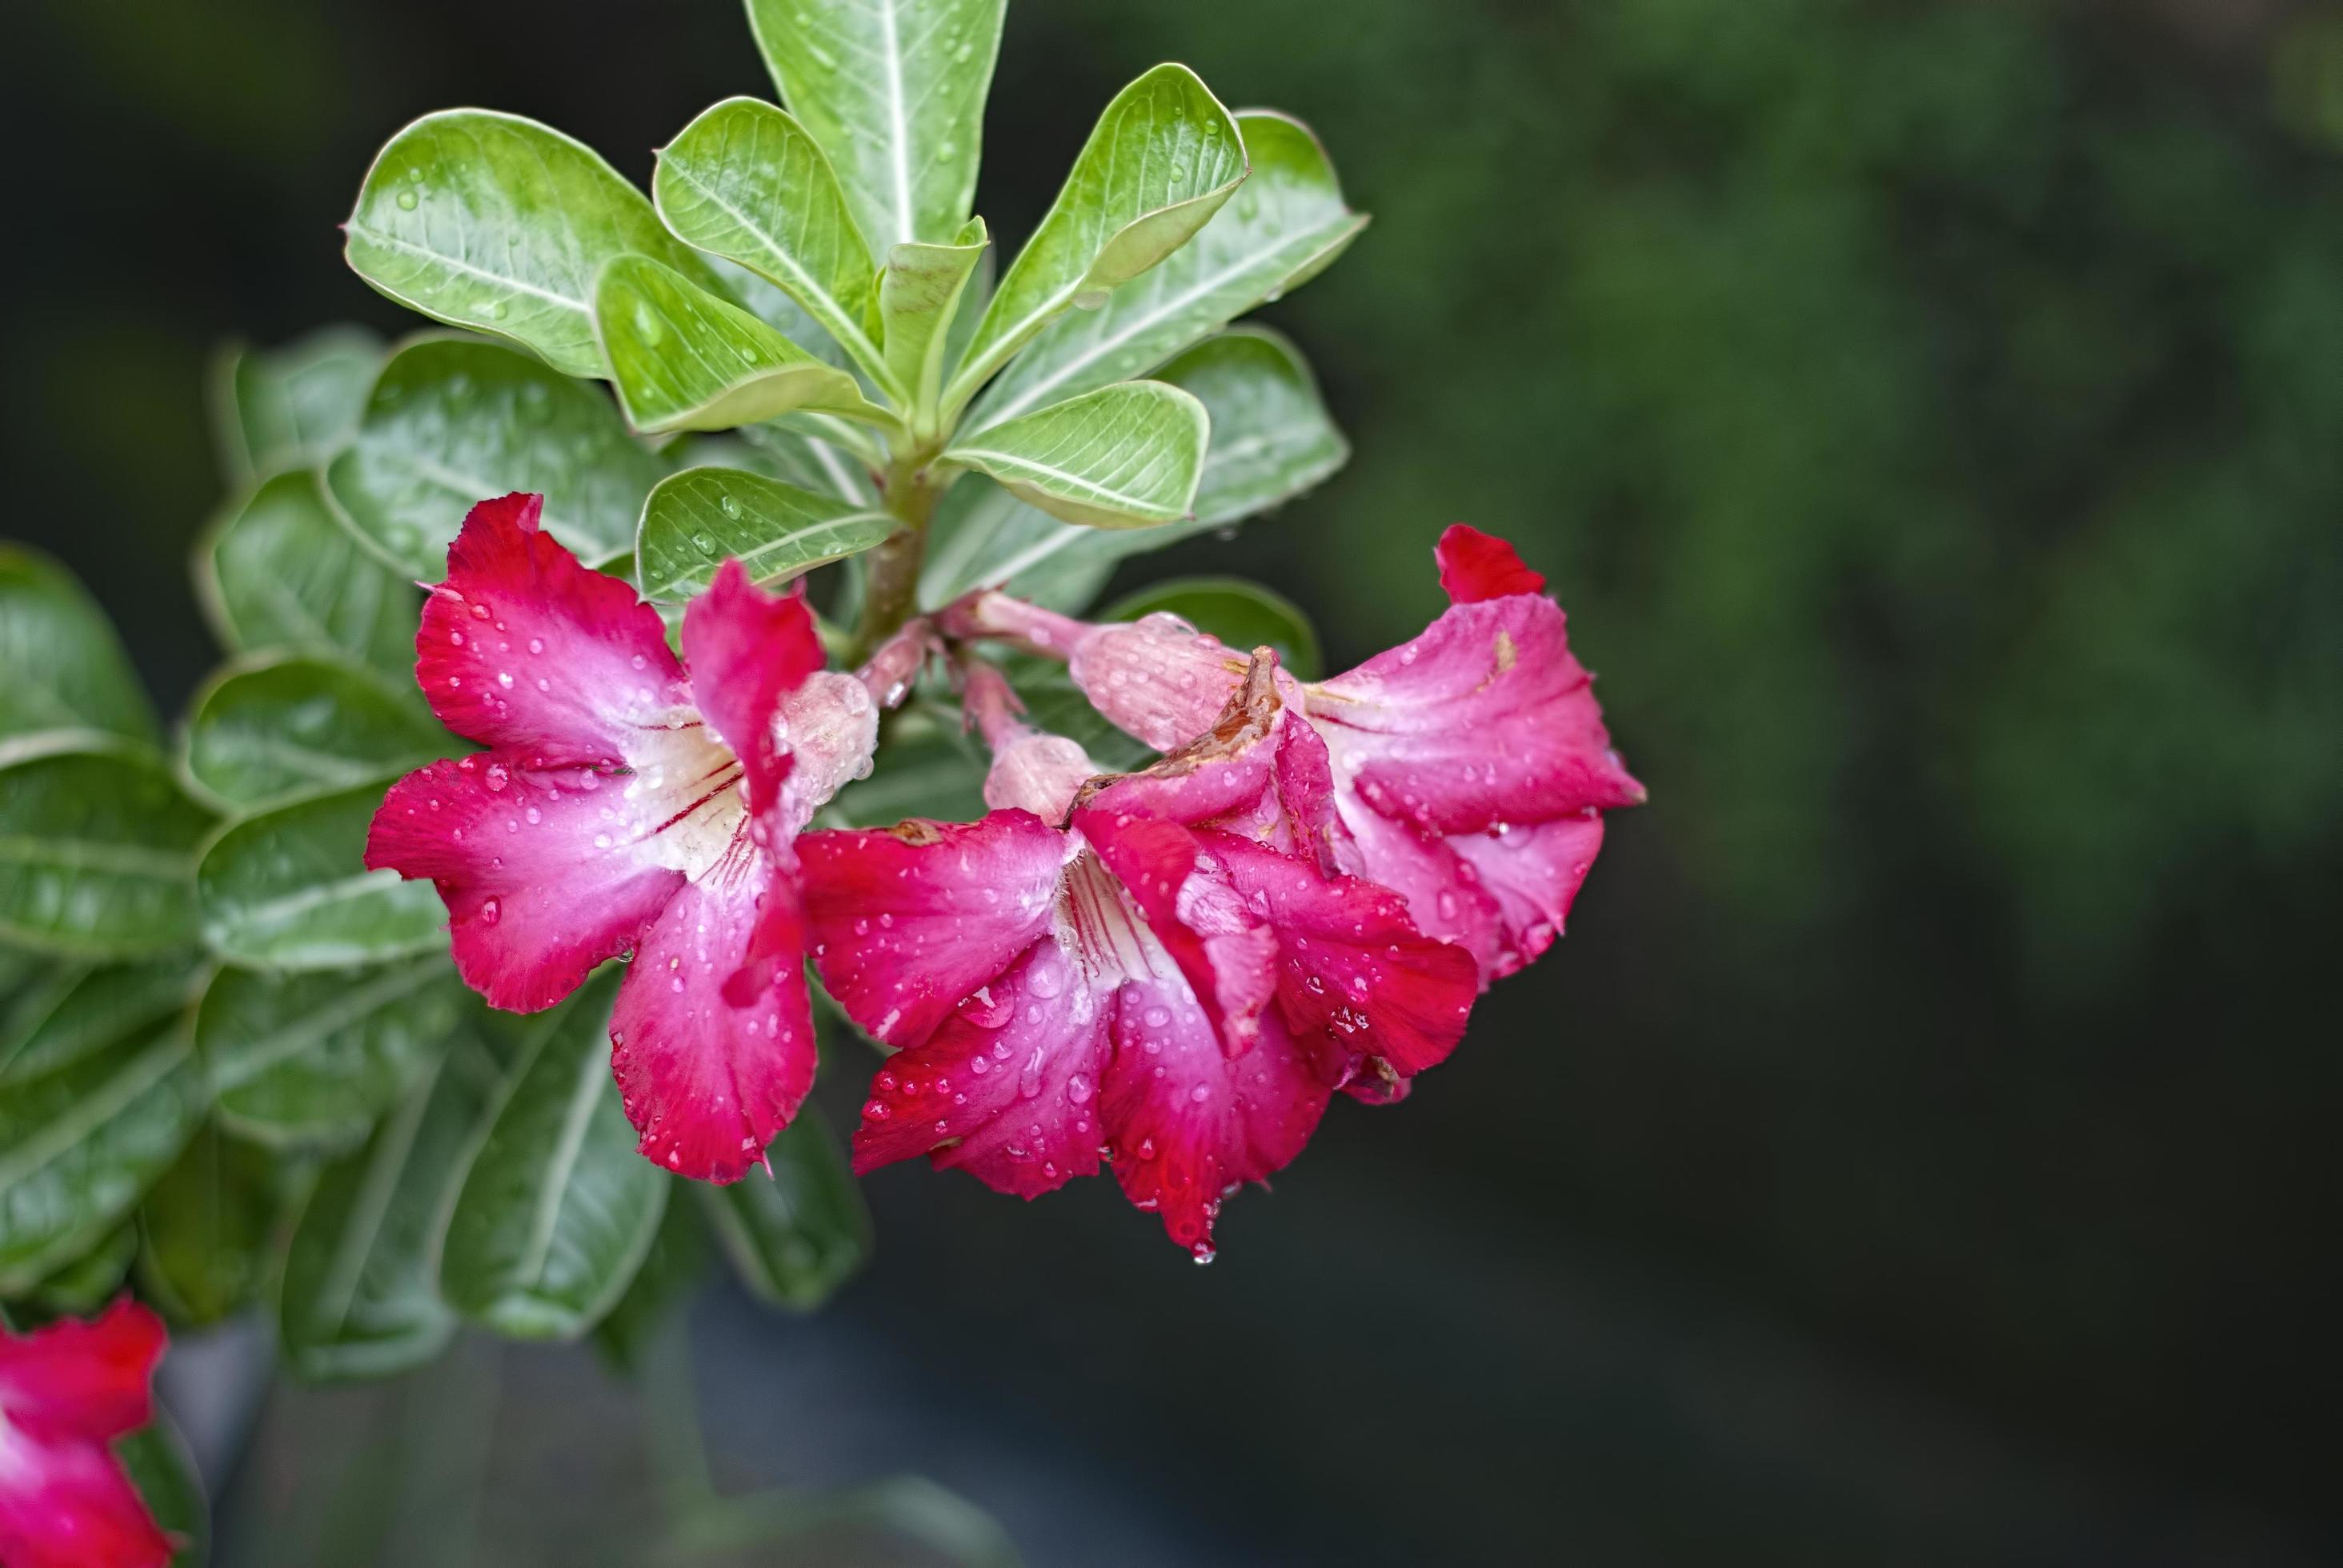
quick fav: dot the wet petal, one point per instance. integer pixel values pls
(87, 1380)
(69, 1506)
(748, 651)
(1444, 892)
(1227, 953)
(1157, 677)
(1474, 566)
(1534, 873)
(1038, 773)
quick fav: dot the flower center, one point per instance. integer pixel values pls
(1097, 924)
(683, 802)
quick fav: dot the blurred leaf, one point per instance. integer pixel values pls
(287, 888)
(559, 1209)
(784, 450)
(926, 768)
(745, 182)
(97, 848)
(894, 90)
(1244, 615)
(313, 1059)
(92, 1280)
(1163, 159)
(796, 1237)
(360, 1298)
(696, 519)
(1284, 227)
(156, 1458)
(1055, 704)
(205, 1230)
(291, 407)
(496, 223)
(671, 1272)
(684, 359)
(81, 1143)
(278, 570)
(453, 423)
(285, 724)
(1123, 457)
(919, 299)
(910, 1506)
(60, 666)
(74, 1008)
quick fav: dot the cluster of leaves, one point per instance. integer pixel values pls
(235, 1066)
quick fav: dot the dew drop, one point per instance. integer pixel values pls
(407, 200)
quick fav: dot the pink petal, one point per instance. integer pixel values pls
(1188, 1123)
(1474, 566)
(1157, 677)
(748, 651)
(525, 649)
(86, 1381)
(1534, 873)
(906, 921)
(1225, 951)
(1006, 1089)
(1444, 892)
(70, 1505)
(708, 1082)
(1037, 773)
(545, 874)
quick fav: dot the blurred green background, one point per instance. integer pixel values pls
(1931, 414)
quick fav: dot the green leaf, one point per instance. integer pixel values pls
(278, 571)
(454, 423)
(1282, 229)
(313, 1059)
(1242, 614)
(287, 888)
(672, 1270)
(496, 223)
(156, 1458)
(75, 1009)
(205, 1230)
(919, 299)
(60, 666)
(79, 1145)
(92, 1280)
(1272, 440)
(359, 1297)
(745, 182)
(894, 89)
(696, 519)
(559, 1209)
(926, 767)
(98, 847)
(1164, 157)
(1055, 704)
(683, 359)
(1123, 456)
(285, 724)
(291, 407)
(793, 1240)
(787, 450)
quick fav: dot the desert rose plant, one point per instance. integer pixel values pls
(754, 519)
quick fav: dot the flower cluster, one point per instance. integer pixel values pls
(1170, 971)
(66, 1392)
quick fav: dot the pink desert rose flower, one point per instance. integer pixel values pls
(624, 804)
(66, 1392)
(1121, 986)
(1470, 766)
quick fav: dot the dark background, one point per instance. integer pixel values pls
(1922, 1148)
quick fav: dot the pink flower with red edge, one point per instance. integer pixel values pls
(1470, 766)
(66, 1392)
(1155, 983)
(629, 803)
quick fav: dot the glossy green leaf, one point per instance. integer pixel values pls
(683, 359)
(796, 1238)
(81, 1144)
(789, 450)
(287, 888)
(926, 767)
(291, 407)
(1163, 159)
(1123, 456)
(559, 1209)
(278, 571)
(1272, 440)
(746, 183)
(160, 1467)
(919, 299)
(1286, 223)
(496, 223)
(1242, 614)
(453, 423)
(313, 1059)
(894, 90)
(75, 1009)
(286, 724)
(671, 1272)
(696, 519)
(98, 847)
(87, 1283)
(205, 1230)
(60, 666)
(359, 1296)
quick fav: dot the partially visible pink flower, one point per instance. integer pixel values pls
(66, 1392)
(626, 805)
(1469, 765)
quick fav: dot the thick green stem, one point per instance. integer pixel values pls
(891, 591)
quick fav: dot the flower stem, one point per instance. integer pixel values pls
(891, 591)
